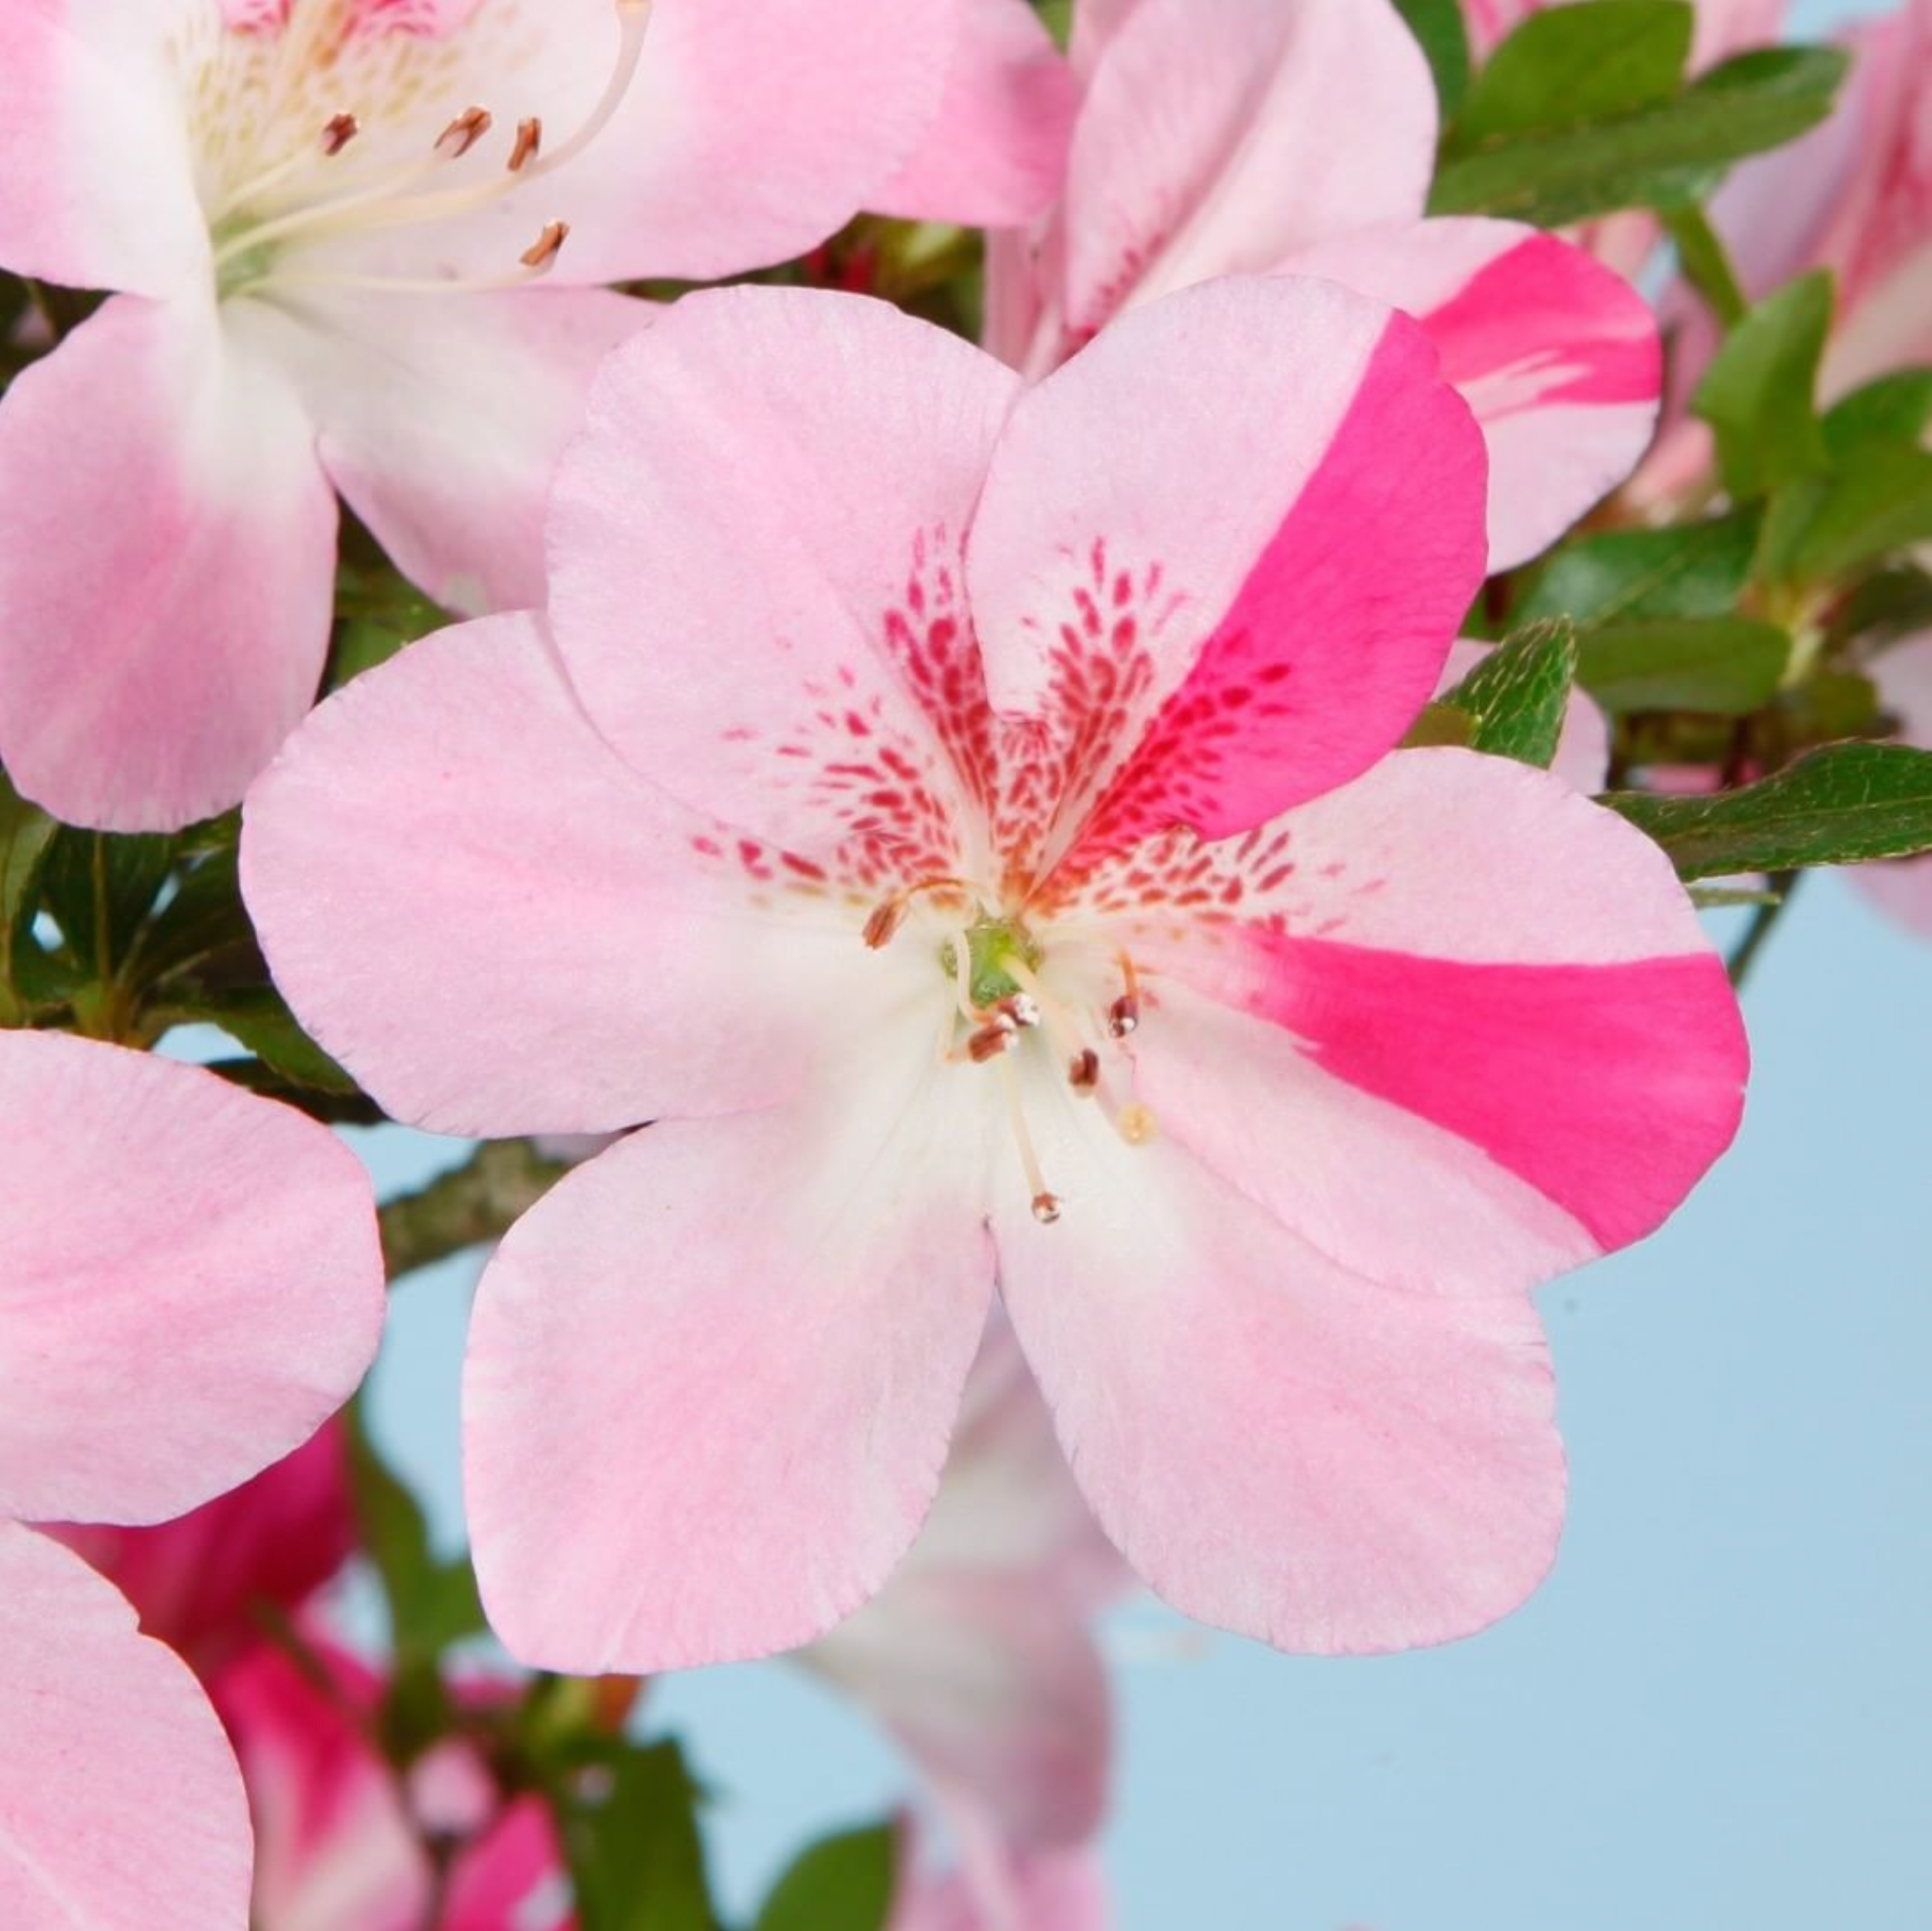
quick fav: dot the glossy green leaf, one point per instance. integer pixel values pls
(1827, 527)
(1843, 804)
(1690, 569)
(1664, 156)
(842, 1884)
(1758, 393)
(1516, 696)
(1440, 30)
(1730, 665)
(637, 1862)
(1575, 65)
(1894, 408)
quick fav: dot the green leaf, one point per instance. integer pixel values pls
(1690, 569)
(1439, 28)
(204, 922)
(1439, 723)
(842, 1883)
(1664, 156)
(637, 1862)
(1516, 696)
(99, 889)
(1575, 65)
(1729, 665)
(1843, 804)
(1827, 527)
(1721, 898)
(258, 1017)
(26, 833)
(1757, 394)
(1894, 408)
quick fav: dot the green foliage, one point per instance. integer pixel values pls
(1843, 804)
(1826, 527)
(1575, 66)
(842, 1884)
(1757, 394)
(1514, 698)
(1894, 408)
(1730, 665)
(1443, 36)
(629, 1826)
(1690, 569)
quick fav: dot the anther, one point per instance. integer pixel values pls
(341, 130)
(547, 247)
(882, 928)
(530, 140)
(1045, 1208)
(1124, 1016)
(1136, 1124)
(1022, 1009)
(1083, 1071)
(992, 1039)
(464, 132)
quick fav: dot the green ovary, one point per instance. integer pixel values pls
(993, 946)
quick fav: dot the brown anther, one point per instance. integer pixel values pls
(530, 140)
(547, 247)
(1045, 1208)
(1083, 1071)
(1022, 1009)
(992, 1039)
(1124, 1016)
(341, 130)
(464, 132)
(882, 928)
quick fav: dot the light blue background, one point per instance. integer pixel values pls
(1717, 1714)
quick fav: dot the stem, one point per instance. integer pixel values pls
(1762, 922)
(479, 1201)
(1707, 265)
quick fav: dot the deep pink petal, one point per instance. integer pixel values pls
(613, 959)
(193, 1282)
(1280, 1447)
(119, 1799)
(441, 422)
(510, 1876)
(97, 185)
(711, 1376)
(1468, 942)
(167, 568)
(755, 556)
(997, 154)
(1559, 358)
(1196, 565)
(1583, 751)
(1217, 140)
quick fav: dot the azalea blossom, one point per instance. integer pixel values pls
(326, 219)
(967, 832)
(162, 1338)
(1300, 136)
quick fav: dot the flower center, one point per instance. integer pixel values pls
(266, 227)
(1005, 1002)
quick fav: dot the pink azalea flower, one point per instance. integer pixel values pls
(1269, 136)
(996, 1887)
(192, 1284)
(985, 863)
(198, 1581)
(282, 189)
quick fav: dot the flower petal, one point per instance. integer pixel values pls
(1559, 358)
(167, 568)
(441, 422)
(711, 1376)
(1195, 555)
(997, 154)
(1216, 140)
(755, 561)
(614, 962)
(1464, 944)
(97, 184)
(1278, 1446)
(120, 1802)
(193, 1283)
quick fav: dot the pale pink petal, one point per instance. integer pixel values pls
(1280, 1447)
(1196, 563)
(200, 1582)
(335, 1848)
(1492, 986)
(1583, 751)
(97, 184)
(741, 1341)
(1903, 675)
(999, 1887)
(1219, 140)
(167, 568)
(192, 1286)
(119, 1799)
(1559, 358)
(441, 422)
(755, 556)
(997, 154)
(512, 1878)
(614, 960)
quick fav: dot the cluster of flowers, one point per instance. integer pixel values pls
(953, 794)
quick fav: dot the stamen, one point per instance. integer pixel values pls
(1045, 1208)
(341, 130)
(543, 252)
(882, 927)
(1136, 1124)
(995, 1037)
(1122, 1016)
(530, 140)
(1045, 1203)
(1083, 1072)
(1021, 1009)
(464, 132)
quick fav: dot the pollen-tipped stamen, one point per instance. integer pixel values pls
(1045, 1203)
